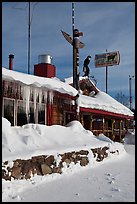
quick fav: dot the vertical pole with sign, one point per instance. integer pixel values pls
(105, 60)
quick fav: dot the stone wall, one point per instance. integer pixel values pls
(48, 164)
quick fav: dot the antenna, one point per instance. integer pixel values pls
(29, 40)
(29, 26)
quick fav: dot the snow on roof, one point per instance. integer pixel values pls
(103, 101)
(70, 80)
(51, 83)
(100, 101)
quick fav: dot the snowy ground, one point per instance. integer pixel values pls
(112, 180)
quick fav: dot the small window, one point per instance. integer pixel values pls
(31, 113)
(41, 114)
(9, 110)
(21, 113)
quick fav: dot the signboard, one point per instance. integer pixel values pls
(107, 59)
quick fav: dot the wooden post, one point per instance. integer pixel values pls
(82, 121)
(120, 131)
(103, 125)
(113, 123)
(90, 121)
(106, 77)
(15, 112)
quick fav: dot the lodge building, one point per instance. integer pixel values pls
(44, 99)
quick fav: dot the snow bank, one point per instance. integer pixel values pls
(130, 137)
(35, 139)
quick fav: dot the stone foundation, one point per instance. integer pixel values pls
(47, 164)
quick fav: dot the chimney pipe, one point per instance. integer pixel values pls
(11, 57)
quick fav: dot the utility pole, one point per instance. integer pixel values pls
(106, 77)
(130, 90)
(29, 25)
(29, 40)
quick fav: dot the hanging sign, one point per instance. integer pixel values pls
(107, 59)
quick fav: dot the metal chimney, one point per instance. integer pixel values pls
(11, 57)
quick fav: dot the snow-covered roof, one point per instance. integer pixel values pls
(100, 101)
(70, 80)
(28, 79)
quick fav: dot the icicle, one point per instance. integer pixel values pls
(40, 96)
(35, 95)
(26, 97)
(45, 96)
(51, 97)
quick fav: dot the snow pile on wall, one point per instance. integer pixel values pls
(35, 139)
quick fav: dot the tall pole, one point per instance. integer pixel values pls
(75, 63)
(106, 77)
(130, 90)
(29, 40)
(73, 27)
(73, 17)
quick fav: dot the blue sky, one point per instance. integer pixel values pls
(106, 25)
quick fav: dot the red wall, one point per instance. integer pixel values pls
(45, 70)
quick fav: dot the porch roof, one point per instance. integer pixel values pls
(102, 103)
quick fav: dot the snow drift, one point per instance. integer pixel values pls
(35, 139)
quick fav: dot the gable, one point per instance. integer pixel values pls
(87, 87)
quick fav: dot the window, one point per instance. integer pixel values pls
(31, 113)
(97, 122)
(9, 110)
(41, 114)
(21, 113)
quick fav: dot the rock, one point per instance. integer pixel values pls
(57, 170)
(84, 161)
(49, 160)
(46, 169)
(31, 172)
(67, 161)
(16, 172)
(39, 159)
(83, 152)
